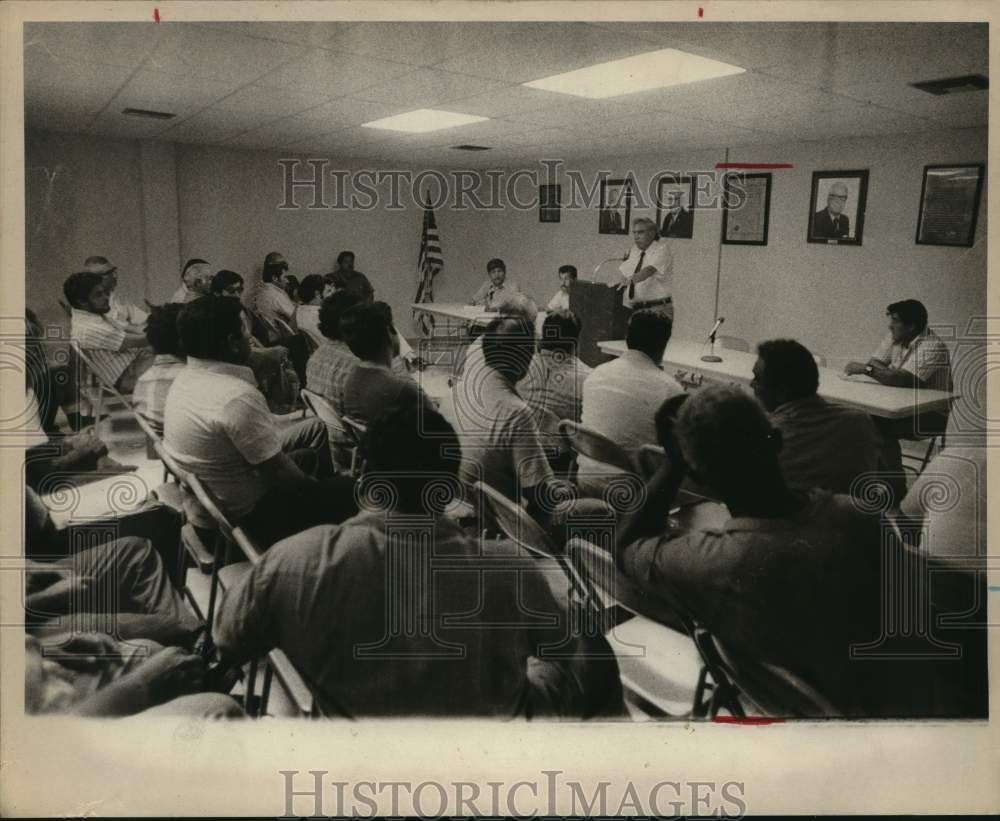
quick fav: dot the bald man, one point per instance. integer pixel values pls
(831, 222)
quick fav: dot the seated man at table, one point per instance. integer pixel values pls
(152, 388)
(334, 599)
(911, 356)
(826, 445)
(217, 426)
(372, 388)
(567, 276)
(621, 397)
(497, 287)
(791, 579)
(346, 277)
(118, 355)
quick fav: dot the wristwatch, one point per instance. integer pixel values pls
(869, 369)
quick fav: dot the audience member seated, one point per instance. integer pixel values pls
(517, 306)
(498, 643)
(54, 385)
(372, 388)
(329, 285)
(496, 288)
(621, 397)
(402, 354)
(272, 301)
(123, 312)
(825, 445)
(567, 276)
(352, 281)
(792, 579)
(196, 278)
(118, 355)
(217, 426)
(307, 312)
(291, 285)
(910, 356)
(501, 445)
(151, 390)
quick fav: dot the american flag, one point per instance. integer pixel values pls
(429, 264)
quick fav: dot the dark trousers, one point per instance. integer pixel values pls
(891, 431)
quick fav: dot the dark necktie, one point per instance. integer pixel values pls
(638, 267)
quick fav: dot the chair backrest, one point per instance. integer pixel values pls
(65, 307)
(358, 429)
(649, 459)
(282, 327)
(594, 445)
(733, 343)
(515, 522)
(820, 359)
(323, 410)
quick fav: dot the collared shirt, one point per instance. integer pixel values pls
(126, 313)
(273, 303)
(394, 615)
(621, 398)
(152, 387)
(355, 283)
(925, 356)
(560, 302)
(102, 340)
(307, 320)
(491, 297)
(553, 388)
(217, 426)
(825, 445)
(183, 294)
(499, 437)
(658, 286)
(789, 590)
(371, 390)
(328, 369)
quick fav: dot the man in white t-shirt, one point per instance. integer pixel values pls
(647, 272)
(567, 276)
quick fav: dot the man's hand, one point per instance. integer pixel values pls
(853, 368)
(170, 673)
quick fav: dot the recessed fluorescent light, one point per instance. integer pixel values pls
(423, 120)
(655, 69)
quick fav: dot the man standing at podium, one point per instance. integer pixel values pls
(647, 272)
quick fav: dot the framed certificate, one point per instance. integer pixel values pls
(746, 209)
(949, 204)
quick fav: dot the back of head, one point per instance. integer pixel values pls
(310, 288)
(726, 439)
(508, 346)
(911, 311)
(190, 264)
(560, 332)
(412, 435)
(78, 286)
(519, 306)
(367, 331)
(790, 371)
(224, 279)
(649, 331)
(205, 326)
(274, 264)
(161, 328)
(332, 309)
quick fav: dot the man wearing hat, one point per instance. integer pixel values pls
(122, 311)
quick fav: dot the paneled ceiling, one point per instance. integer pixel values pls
(307, 87)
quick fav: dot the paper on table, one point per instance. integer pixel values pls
(858, 377)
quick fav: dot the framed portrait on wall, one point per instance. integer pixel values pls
(674, 207)
(837, 207)
(549, 203)
(949, 204)
(615, 206)
(746, 209)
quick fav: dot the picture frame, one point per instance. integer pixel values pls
(675, 207)
(837, 207)
(746, 212)
(614, 217)
(949, 204)
(549, 203)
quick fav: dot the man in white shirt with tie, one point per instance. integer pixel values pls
(647, 272)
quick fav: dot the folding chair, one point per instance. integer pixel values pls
(336, 427)
(595, 446)
(97, 387)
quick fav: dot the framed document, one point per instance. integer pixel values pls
(616, 207)
(746, 209)
(949, 204)
(837, 207)
(674, 207)
(549, 203)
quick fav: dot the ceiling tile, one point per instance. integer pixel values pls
(419, 44)
(347, 111)
(316, 34)
(333, 74)
(117, 125)
(198, 129)
(268, 103)
(47, 76)
(173, 93)
(113, 44)
(427, 88)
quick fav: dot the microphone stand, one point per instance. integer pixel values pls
(711, 356)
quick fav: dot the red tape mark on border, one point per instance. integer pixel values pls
(753, 721)
(701, 11)
(156, 15)
(756, 166)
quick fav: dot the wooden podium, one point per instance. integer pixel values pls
(602, 317)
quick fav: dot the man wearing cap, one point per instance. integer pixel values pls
(272, 302)
(125, 313)
(196, 277)
(647, 271)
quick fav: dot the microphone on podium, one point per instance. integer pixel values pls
(711, 357)
(608, 274)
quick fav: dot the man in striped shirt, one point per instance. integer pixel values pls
(118, 355)
(122, 311)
